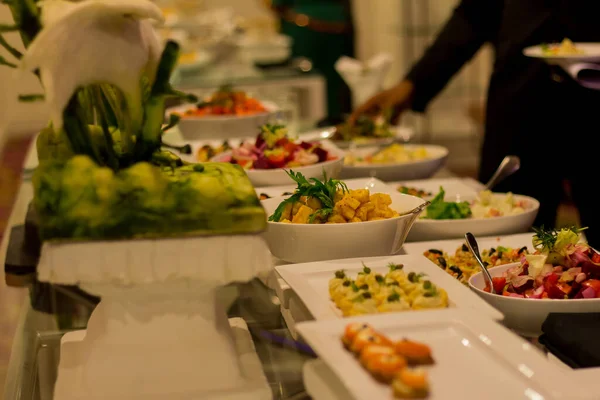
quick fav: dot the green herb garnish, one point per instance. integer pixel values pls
(412, 277)
(324, 191)
(340, 274)
(393, 297)
(379, 278)
(394, 267)
(545, 239)
(366, 270)
(427, 285)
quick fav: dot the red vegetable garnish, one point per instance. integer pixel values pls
(499, 283)
(594, 284)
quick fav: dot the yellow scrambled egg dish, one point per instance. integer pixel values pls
(395, 291)
(352, 206)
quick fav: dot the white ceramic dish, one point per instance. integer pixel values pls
(419, 169)
(221, 126)
(475, 358)
(297, 243)
(428, 229)
(401, 134)
(374, 185)
(278, 177)
(526, 316)
(591, 54)
(456, 188)
(449, 246)
(310, 282)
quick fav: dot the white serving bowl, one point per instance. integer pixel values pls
(400, 134)
(297, 243)
(278, 177)
(419, 169)
(430, 229)
(526, 316)
(221, 126)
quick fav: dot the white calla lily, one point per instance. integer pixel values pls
(95, 41)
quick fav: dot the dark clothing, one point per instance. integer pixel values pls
(533, 110)
(322, 47)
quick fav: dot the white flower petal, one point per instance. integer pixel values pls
(94, 41)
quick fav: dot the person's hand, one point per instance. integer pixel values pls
(394, 100)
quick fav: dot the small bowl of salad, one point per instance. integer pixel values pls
(226, 114)
(483, 214)
(562, 275)
(266, 157)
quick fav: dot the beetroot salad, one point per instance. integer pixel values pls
(274, 149)
(562, 267)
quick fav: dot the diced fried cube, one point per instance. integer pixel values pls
(314, 203)
(296, 207)
(287, 212)
(336, 219)
(381, 199)
(286, 221)
(303, 215)
(362, 195)
(347, 212)
(356, 220)
(363, 211)
(338, 196)
(350, 201)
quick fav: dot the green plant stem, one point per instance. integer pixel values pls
(27, 98)
(77, 130)
(8, 28)
(14, 52)
(7, 63)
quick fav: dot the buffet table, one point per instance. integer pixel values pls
(267, 305)
(36, 346)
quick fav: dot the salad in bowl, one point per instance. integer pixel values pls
(273, 148)
(484, 214)
(562, 275)
(561, 268)
(265, 157)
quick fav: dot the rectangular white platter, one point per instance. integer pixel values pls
(449, 246)
(310, 282)
(475, 358)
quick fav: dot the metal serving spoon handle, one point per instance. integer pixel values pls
(507, 167)
(472, 245)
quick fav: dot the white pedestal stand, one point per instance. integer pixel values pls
(159, 332)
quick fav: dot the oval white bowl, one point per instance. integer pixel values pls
(526, 316)
(278, 177)
(221, 126)
(297, 243)
(401, 134)
(430, 229)
(419, 169)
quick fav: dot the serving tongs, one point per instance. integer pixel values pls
(474, 248)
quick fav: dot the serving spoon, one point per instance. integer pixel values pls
(472, 245)
(508, 166)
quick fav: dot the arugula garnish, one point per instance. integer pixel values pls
(324, 191)
(440, 209)
(545, 239)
